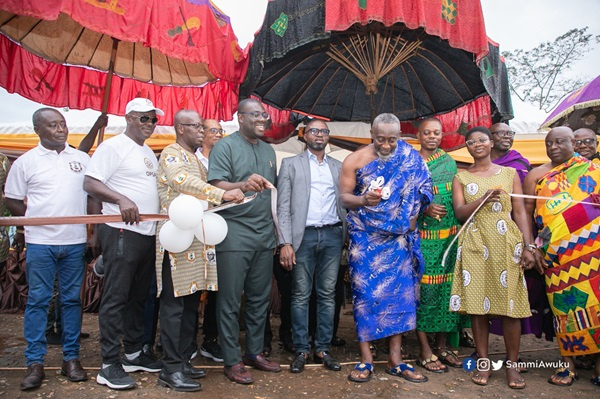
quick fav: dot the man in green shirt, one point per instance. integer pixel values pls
(245, 258)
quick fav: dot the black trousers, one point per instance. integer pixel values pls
(129, 259)
(177, 322)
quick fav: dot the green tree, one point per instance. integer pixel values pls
(537, 76)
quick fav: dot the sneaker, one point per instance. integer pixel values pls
(212, 350)
(144, 362)
(115, 377)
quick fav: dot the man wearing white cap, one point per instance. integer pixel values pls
(122, 174)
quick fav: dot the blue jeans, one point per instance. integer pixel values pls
(42, 264)
(318, 260)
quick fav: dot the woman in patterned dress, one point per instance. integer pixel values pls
(493, 250)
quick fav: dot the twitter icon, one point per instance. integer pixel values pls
(497, 365)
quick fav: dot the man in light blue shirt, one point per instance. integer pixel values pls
(312, 224)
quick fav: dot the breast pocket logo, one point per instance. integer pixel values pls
(76, 167)
(148, 163)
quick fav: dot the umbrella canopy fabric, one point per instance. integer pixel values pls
(178, 42)
(181, 44)
(369, 67)
(580, 109)
(79, 88)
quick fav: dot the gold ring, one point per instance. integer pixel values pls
(437, 217)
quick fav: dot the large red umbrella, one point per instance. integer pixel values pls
(180, 54)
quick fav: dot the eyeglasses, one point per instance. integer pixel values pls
(194, 125)
(473, 143)
(590, 141)
(257, 114)
(145, 119)
(504, 133)
(214, 130)
(318, 132)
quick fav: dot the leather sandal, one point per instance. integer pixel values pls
(430, 360)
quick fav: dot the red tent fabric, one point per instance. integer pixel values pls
(460, 22)
(456, 123)
(80, 88)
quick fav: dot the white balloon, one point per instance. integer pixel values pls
(215, 229)
(186, 212)
(204, 204)
(174, 239)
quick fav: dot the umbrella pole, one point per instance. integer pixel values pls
(111, 69)
(372, 103)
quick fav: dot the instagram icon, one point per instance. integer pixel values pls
(483, 364)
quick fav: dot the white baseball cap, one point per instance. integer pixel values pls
(139, 104)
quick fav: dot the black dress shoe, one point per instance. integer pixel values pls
(299, 362)
(193, 372)
(178, 382)
(33, 379)
(328, 361)
(337, 341)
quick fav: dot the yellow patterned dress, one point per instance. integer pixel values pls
(488, 279)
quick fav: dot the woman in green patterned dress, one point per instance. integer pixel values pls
(438, 227)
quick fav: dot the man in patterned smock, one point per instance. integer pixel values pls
(385, 186)
(182, 276)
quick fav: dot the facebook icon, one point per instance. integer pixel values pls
(469, 364)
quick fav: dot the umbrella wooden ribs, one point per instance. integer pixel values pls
(372, 57)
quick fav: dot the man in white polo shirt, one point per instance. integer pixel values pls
(122, 174)
(50, 176)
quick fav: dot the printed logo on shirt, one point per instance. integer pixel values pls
(148, 163)
(76, 167)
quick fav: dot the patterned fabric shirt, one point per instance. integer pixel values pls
(180, 172)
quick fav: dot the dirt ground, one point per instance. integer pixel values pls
(314, 382)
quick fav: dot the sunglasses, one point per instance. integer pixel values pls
(145, 119)
(473, 143)
(504, 133)
(257, 114)
(588, 142)
(318, 132)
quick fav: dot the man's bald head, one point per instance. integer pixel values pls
(183, 116)
(560, 145)
(247, 103)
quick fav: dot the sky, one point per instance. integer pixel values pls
(511, 23)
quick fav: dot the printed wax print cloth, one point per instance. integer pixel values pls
(568, 237)
(385, 260)
(180, 172)
(436, 235)
(488, 278)
(539, 322)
